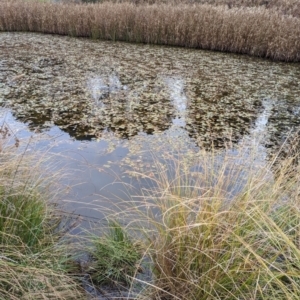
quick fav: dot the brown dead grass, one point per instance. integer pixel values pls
(289, 7)
(257, 31)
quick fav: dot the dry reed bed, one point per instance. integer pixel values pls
(255, 31)
(288, 7)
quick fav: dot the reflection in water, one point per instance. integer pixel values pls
(101, 89)
(263, 118)
(98, 89)
(219, 112)
(257, 138)
(115, 84)
(178, 98)
(284, 120)
(127, 112)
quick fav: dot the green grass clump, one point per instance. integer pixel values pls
(35, 257)
(115, 257)
(25, 220)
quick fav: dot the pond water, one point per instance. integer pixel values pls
(106, 109)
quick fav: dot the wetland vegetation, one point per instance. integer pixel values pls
(169, 173)
(212, 226)
(34, 262)
(270, 31)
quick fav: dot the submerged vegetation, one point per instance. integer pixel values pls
(256, 30)
(95, 90)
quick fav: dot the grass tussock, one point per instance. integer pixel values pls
(35, 255)
(256, 30)
(114, 257)
(221, 227)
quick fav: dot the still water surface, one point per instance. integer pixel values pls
(106, 109)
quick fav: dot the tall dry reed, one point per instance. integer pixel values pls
(289, 7)
(256, 31)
